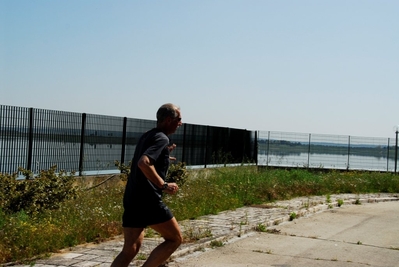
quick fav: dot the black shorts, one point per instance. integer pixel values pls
(141, 217)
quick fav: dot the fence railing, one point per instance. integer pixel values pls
(326, 151)
(37, 139)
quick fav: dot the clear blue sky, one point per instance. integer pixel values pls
(322, 67)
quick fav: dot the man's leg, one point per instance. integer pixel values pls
(133, 239)
(170, 231)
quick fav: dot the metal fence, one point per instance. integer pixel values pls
(37, 139)
(283, 149)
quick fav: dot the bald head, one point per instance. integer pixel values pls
(167, 110)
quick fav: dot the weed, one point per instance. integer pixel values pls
(328, 198)
(141, 256)
(293, 216)
(261, 251)
(340, 202)
(193, 233)
(260, 228)
(273, 231)
(245, 222)
(232, 226)
(150, 233)
(216, 243)
(307, 204)
(200, 248)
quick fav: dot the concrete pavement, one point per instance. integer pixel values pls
(353, 236)
(323, 234)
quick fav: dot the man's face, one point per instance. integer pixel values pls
(175, 123)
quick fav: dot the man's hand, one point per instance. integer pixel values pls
(172, 188)
(171, 148)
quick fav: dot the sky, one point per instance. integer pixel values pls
(320, 67)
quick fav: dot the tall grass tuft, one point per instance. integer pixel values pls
(94, 215)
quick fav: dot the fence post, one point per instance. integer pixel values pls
(268, 148)
(30, 142)
(123, 141)
(349, 151)
(183, 153)
(256, 147)
(206, 146)
(244, 139)
(396, 149)
(82, 141)
(309, 151)
(388, 155)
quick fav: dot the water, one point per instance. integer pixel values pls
(328, 161)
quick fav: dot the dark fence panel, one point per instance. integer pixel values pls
(14, 138)
(195, 144)
(103, 137)
(206, 145)
(55, 140)
(190, 143)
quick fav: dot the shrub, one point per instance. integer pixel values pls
(125, 169)
(46, 191)
(177, 173)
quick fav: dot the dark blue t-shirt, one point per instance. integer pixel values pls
(139, 190)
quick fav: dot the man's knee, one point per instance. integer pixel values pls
(170, 231)
(179, 239)
(175, 240)
(136, 245)
(133, 240)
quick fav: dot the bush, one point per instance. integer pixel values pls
(46, 191)
(125, 169)
(177, 173)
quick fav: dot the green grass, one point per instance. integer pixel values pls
(95, 215)
(293, 216)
